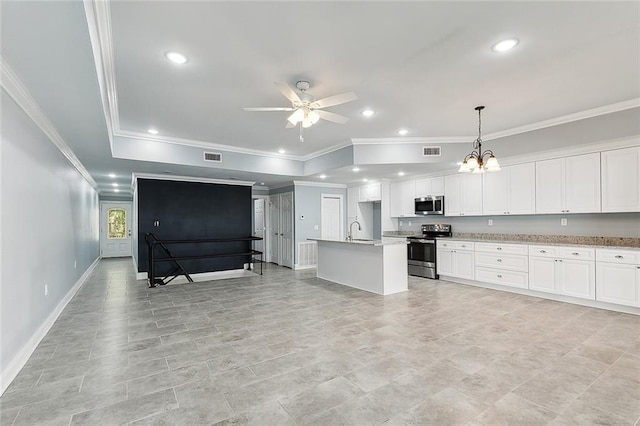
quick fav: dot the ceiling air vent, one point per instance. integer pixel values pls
(431, 151)
(216, 157)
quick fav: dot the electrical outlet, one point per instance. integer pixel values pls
(401, 223)
(409, 223)
(563, 221)
(316, 227)
(490, 222)
(46, 289)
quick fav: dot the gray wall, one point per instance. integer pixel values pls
(594, 224)
(49, 220)
(307, 201)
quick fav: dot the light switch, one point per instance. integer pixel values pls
(490, 222)
(316, 227)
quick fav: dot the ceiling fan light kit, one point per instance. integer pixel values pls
(306, 110)
(478, 161)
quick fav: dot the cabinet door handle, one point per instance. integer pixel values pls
(619, 257)
(543, 251)
(499, 260)
(575, 253)
(499, 276)
(499, 248)
(560, 260)
(463, 246)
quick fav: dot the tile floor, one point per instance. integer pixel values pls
(287, 348)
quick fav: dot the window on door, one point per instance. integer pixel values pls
(116, 224)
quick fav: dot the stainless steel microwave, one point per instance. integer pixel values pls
(429, 205)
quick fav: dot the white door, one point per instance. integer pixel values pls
(618, 284)
(258, 223)
(621, 180)
(331, 217)
(274, 229)
(286, 229)
(115, 229)
(577, 278)
(542, 274)
(521, 187)
(582, 183)
(550, 186)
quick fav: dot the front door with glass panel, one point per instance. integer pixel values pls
(115, 229)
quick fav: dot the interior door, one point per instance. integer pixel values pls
(258, 223)
(331, 219)
(286, 229)
(274, 229)
(115, 229)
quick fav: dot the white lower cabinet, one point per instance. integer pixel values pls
(504, 264)
(568, 271)
(455, 259)
(618, 276)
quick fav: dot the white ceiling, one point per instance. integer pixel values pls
(422, 66)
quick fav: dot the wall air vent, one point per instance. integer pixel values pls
(431, 151)
(216, 157)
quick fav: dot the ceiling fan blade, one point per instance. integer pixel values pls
(330, 116)
(289, 125)
(335, 100)
(288, 92)
(269, 109)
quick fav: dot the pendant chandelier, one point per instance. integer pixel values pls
(478, 161)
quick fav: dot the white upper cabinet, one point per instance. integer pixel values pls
(430, 186)
(568, 185)
(510, 191)
(402, 199)
(352, 203)
(621, 180)
(371, 192)
(463, 195)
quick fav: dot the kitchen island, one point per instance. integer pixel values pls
(371, 265)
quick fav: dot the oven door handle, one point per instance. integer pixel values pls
(426, 241)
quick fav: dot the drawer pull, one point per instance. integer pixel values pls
(575, 253)
(499, 248)
(543, 251)
(499, 260)
(499, 276)
(619, 257)
(463, 246)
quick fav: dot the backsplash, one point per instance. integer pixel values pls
(625, 225)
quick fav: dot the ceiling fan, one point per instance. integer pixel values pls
(306, 110)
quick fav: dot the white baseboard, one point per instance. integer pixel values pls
(135, 266)
(206, 276)
(16, 364)
(298, 267)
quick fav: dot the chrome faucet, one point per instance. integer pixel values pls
(350, 235)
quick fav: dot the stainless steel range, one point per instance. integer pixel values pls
(422, 250)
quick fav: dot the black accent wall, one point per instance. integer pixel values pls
(191, 210)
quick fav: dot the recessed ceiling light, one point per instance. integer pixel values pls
(355, 169)
(504, 45)
(112, 175)
(400, 173)
(403, 132)
(152, 131)
(368, 112)
(116, 190)
(176, 58)
(365, 180)
(281, 151)
(261, 183)
(114, 184)
(322, 176)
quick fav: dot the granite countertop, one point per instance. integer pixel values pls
(532, 239)
(360, 242)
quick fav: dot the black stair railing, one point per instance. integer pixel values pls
(153, 242)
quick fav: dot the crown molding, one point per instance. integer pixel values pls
(412, 140)
(177, 178)
(320, 184)
(98, 16)
(582, 115)
(20, 94)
